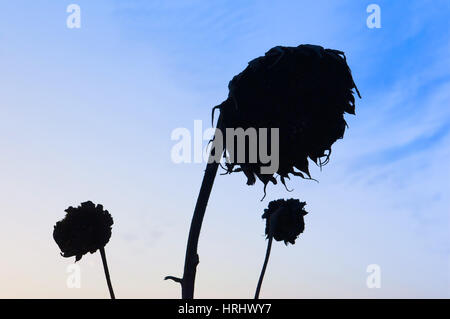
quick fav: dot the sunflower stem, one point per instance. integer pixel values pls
(192, 259)
(263, 271)
(105, 267)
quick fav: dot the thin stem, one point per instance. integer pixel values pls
(192, 259)
(263, 271)
(105, 267)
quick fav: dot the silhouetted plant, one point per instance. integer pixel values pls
(86, 228)
(284, 222)
(303, 91)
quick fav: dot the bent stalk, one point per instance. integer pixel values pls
(105, 267)
(192, 259)
(263, 271)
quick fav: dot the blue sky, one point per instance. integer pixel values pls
(88, 114)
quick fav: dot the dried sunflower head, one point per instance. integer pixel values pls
(84, 229)
(303, 91)
(284, 219)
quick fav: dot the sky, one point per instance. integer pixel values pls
(87, 114)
